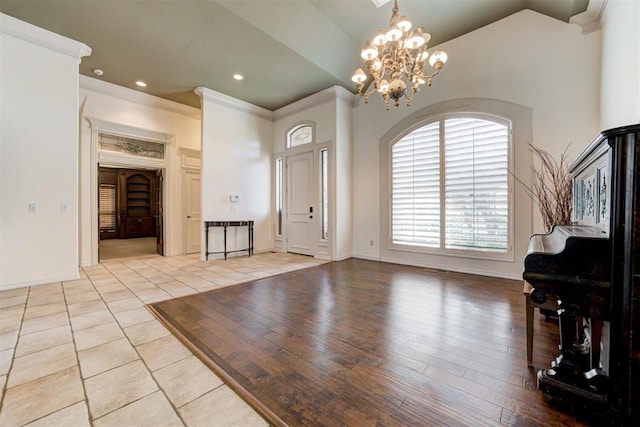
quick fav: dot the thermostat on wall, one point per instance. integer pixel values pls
(234, 197)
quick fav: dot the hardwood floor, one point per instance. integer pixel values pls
(367, 343)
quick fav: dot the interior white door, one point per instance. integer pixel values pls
(300, 211)
(193, 224)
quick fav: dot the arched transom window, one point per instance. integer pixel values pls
(300, 135)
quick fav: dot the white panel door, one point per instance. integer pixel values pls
(300, 211)
(193, 225)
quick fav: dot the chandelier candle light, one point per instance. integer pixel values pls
(396, 57)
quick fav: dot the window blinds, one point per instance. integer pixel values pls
(474, 170)
(476, 185)
(416, 188)
(107, 207)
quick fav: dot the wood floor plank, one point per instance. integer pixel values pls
(365, 343)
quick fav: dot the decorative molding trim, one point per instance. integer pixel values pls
(208, 95)
(457, 268)
(41, 37)
(591, 19)
(330, 94)
(128, 131)
(110, 89)
(119, 159)
(190, 159)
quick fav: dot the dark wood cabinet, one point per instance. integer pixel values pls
(135, 202)
(139, 226)
(138, 203)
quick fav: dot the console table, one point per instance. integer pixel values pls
(224, 225)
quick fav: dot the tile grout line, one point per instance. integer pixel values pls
(75, 350)
(5, 387)
(175, 410)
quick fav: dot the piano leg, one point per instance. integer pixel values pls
(547, 304)
(529, 317)
(574, 377)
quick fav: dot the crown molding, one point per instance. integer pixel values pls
(591, 19)
(330, 94)
(110, 89)
(209, 95)
(41, 37)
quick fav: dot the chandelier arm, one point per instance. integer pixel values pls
(430, 76)
(371, 89)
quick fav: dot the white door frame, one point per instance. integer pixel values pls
(322, 248)
(115, 159)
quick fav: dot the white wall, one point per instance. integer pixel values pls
(343, 173)
(528, 59)
(237, 143)
(39, 154)
(136, 113)
(620, 84)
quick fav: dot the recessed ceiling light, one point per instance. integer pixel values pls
(98, 71)
(141, 83)
(238, 76)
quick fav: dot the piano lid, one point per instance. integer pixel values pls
(573, 254)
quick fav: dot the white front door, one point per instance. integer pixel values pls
(193, 225)
(300, 210)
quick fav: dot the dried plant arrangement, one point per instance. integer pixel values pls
(552, 188)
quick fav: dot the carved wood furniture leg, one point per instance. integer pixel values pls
(529, 318)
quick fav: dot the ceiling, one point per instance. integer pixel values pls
(286, 49)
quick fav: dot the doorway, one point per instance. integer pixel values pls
(191, 201)
(130, 212)
(300, 203)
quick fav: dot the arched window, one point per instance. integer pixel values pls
(300, 135)
(450, 185)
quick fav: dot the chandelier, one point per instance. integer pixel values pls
(396, 58)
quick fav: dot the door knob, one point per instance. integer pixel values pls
(188, 216)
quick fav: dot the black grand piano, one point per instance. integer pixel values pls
(593, 269)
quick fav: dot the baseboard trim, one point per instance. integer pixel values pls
(15, 285)
(496, 274)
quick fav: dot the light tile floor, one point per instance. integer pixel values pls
(87, 352)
